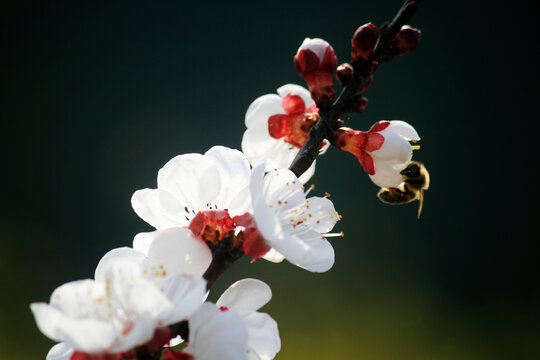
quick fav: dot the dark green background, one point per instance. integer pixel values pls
(97, 97)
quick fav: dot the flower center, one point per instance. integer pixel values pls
(211, 225)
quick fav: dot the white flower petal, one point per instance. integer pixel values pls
(245, 296)
(311, 252)
(318, 46)
(158, 208)
(403, 129)
(386, 175)
(181, 176)
(234, 171)
(187, 293)
(274, 256)
(141, 331)
(60, 351)
(88, 335)
(120, 263)
(177, 250)
(262, 108)
(215, 334)
(263, 335)
(395, 149)
(324, 216)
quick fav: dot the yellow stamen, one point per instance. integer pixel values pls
(415, 147)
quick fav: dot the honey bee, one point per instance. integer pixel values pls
(415, 181)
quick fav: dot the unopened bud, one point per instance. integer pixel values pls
(316, 62)
(344, 73)
(360, 103)
(406, 40)
(363, 41)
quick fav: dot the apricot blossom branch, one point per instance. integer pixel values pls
(350, 98)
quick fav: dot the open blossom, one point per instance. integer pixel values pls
(383, 151)
(233, 329)
(278, 125)
(295, 227)
(132, 297)
(193, 183)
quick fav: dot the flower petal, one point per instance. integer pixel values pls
(387, 175)
(234, 171)
(263, 335)
(215, 334)
(60, 351)
(88, 335)
(403, 129)
(181, 176)
(395, 149)
(262, 108)
(120, 263)
(245, 296)
(323, 214)
(187, 293)
(158, 208)
(274, 256)
(177, 249)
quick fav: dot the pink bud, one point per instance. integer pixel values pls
(344, 73)
(406, 40)
(316, 62)
(363, 41)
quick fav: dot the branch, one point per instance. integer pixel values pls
(329, 119)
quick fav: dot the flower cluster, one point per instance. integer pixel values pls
(138, 294)
(210, 209)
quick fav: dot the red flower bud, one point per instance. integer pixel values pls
(344, 73)
(363, 41)
(406, 40)
(316, 62)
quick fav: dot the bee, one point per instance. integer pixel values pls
(415, 181)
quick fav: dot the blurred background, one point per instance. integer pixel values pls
(97, 96)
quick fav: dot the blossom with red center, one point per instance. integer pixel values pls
(200, 191)
(278, 125)
(316, 62)
(383, 151)
(133, 298)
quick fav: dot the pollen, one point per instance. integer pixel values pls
(327, 194)
(310, 215)
(415, 147)
(279, 202)
(318, 221)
